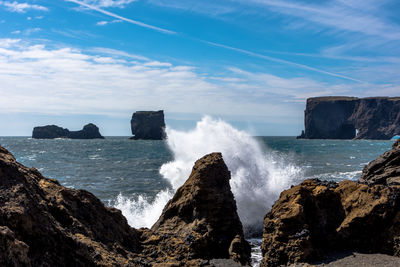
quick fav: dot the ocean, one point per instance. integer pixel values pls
(139, 177)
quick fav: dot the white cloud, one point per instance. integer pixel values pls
(118, 17)
(36, 78)
(104, 22)
(21, 7)
(109, 3)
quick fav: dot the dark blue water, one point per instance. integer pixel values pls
(119, 165)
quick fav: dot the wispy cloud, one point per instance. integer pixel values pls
(105, 12)
(21, 7)
(269, 58)
(105, 22)
(109, 3)
(36, 78)
(349, 16)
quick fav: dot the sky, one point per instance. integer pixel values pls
(252, 63)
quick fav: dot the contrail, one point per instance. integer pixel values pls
(141, 24)
(239, 50)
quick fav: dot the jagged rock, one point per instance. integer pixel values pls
(45, 224)
(315, 218)
(89, 131)
(201, 220)
(385, 169)
(148, 125)
(339, 117)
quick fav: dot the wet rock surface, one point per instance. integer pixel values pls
(148, 125)
(89, 131)
(314, 218)
(338, 117)
(45, 224)
(384, 170)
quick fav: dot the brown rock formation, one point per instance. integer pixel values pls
(201, 220)
(315, 218)
(45, 224)
(385, 169)
(338, 117)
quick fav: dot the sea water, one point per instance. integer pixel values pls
(139, 177)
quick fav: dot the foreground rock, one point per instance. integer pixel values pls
(200, 221)
(384, 170)
(316, 218)
(339, 118)
(148, 125)
(45, 224)
(89, 131)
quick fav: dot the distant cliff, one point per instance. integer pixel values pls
(89, 131)
(148, 125)
(337, 117)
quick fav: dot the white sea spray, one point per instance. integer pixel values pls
(257, 174)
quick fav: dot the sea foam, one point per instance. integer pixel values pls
(257, 174)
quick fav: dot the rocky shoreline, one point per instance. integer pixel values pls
(45, 224)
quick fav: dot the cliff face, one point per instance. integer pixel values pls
(45, 224)
(148, 125)
(89, 131)
(342, 117)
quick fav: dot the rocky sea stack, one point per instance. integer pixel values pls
(316, 218)
(148, 125)
(45, 224)
(339, 117)
(89, 131)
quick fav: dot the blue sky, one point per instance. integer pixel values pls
(250, 62)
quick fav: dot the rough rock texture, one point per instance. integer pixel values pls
(89, 131)
(148, 125)
(45, 224)
(315, 218)
(385, 169)
(201, 220)
(339, 117)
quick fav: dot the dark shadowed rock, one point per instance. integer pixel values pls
(385, 169)
(89, 131)
(316, 218)
(339, 117)
(49, 132)
(148, 125)
(45, 224)
(200, 221)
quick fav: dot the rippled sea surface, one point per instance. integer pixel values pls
(118, 165)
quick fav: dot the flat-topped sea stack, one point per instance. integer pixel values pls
(148, 125)
(340, 117)
(89, 131)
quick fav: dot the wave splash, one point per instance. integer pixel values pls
(257, 175)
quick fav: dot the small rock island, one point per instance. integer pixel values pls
(340, 117)
(148, 125)
(89, 131)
